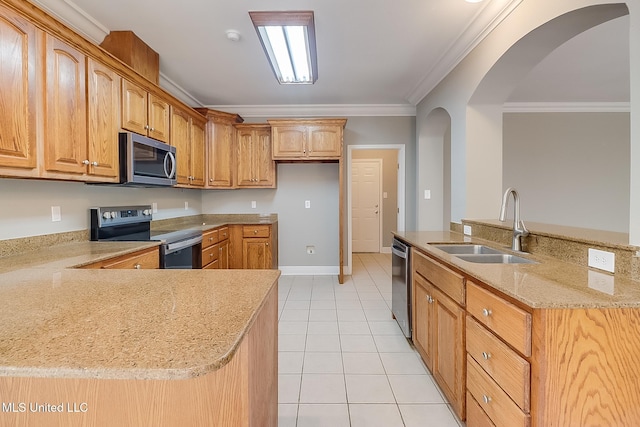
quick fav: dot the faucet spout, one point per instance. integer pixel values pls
(519, 230)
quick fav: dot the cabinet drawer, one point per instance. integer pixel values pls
(223, 233)
(210, 254)
(448, 281)
(209, 238)
(492, 399)
(256, 231)
(147, 260)
(212, 265)
(476, 417)
(508, 370)
(511, 323)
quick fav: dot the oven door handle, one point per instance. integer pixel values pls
(174, 247)
(399, 252)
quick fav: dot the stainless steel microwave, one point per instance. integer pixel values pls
(145, 161)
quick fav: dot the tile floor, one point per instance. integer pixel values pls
(343, 360)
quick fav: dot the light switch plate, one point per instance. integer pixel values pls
(307, 204)
(427, 194)
(56, 214)
(253, 204)
(154, 207)
(186, 205)
(602, 260)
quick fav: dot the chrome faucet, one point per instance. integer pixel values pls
(519, 230)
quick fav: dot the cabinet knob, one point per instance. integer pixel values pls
(210, 179)
(94, 163)
(137, 266)
(255, 231)
(429, 299)
(486, 398)
(85, 162)
(211, 255)
(267, 244)
(152, 129)
(146, 127)
(211, 239)
(486, 356)
(486, 312)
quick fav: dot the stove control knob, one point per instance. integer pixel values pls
(106, 215)
(146, 212)
(114, 215)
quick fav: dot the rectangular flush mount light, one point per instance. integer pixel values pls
(289, 40)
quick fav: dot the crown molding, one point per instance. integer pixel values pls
(319, 110)
(178, 91)
(485, 21)
(567, 107)
(71, 15)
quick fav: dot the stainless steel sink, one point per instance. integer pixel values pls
(496, 258)
(482, 254)
(467, 249)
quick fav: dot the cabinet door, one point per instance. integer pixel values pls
(423, 319)
(289, 142)
(134, 108)
(265, 167)
(325, 142)
(65, 108)
(245, 158)
(158, 118)
(180, 138)
(103, 87)
(450, 359)
(198, 132)
(221, 159)
(18, 94)
(256, 253)
(224, 255)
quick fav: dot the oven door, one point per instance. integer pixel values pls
(184, 254)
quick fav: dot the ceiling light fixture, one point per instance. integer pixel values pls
(289, 41)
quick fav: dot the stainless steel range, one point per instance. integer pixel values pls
(181, 249)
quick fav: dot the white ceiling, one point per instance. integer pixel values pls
(370, 52)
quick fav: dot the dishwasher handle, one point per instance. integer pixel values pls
(398, 251)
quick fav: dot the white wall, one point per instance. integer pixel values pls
(25, 205)
(476, 130)
(569, 168)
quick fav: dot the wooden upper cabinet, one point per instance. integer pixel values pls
(103, 90)
(255, 165)
(198, 151)
(188, 136)
(65, 113)
(18, 94)
(220, 148)
(304, 139)
(144, 113)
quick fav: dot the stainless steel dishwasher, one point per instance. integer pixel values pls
(401, 285)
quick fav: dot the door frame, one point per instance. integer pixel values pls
(401, 191)
(380, 201)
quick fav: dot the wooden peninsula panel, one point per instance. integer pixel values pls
(243, 392)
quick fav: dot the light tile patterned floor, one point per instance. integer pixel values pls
(343, 360)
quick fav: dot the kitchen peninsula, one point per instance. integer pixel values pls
(134, 347)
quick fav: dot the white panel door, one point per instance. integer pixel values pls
(365, 205)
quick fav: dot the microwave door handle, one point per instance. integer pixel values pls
(173, 164)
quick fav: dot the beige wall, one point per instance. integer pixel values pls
(389, 185)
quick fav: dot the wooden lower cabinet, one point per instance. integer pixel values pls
(439, 328)
(253, 246)
(215, 248)
(145, 259)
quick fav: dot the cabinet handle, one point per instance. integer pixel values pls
(267, 244)
(211, 255)
(94, 163)
(137, 266)
(486, 398)
(210, 179)
(486, 312)
(429, 299)
(152, 129)
(146, 127)
(219, 250)
(486, 356)
(85, 162)
(304, 151)
(211, 239)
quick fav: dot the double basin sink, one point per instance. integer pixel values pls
(482, 254)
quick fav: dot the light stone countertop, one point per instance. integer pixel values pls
(548, 284)
(59, 321)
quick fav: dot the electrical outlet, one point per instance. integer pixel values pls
(186, 205)
(427, 194)
(311, 250)
(467, 230)
(55, 214)
(253, 204)
(307, 204)
(602, 260)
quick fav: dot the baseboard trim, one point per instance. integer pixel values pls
(385, 250)
(309, 270)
